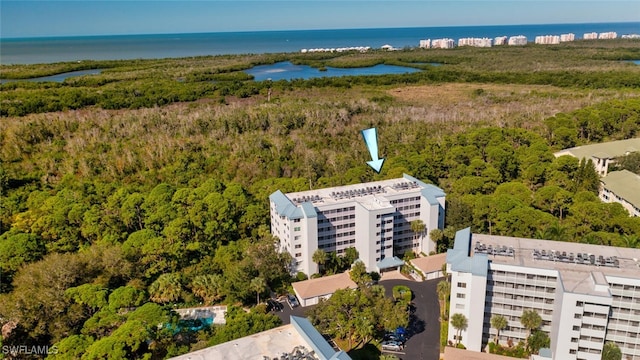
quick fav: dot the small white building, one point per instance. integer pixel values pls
(430, 267)
(309, 292)
(602, 154)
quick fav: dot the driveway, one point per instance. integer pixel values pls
(287, 311)
(423, 331)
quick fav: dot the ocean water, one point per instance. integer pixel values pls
(57, 49)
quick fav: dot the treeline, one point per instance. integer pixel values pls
(150, 83)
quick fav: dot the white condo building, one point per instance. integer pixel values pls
(586, 295)
(425, 43)
(500, 40)
(374, 217)
(475, 42)
(518, 40)
(590, 36)
(445, 43)
(608, 35)
(567, 37)
(547, 39)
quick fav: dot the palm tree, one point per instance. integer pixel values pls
(319, 257)
(207, 287)
(258, 285)
(460, 323)
(499, 322)
(418, 228)
(530, 320)
(631, 241)
(611, 351)
(166, 288)
(443, 288)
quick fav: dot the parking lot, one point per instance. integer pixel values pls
(423, 332)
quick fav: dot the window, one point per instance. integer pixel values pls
(298, 246)
(462, 285)
(579, 303)
(298, 254)
(576, 328)
(461, 295)
(297, 228)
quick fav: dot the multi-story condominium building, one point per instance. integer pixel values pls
(425, 44)
(500, 40)
(476, 42)
(586, 295)
(518, 40)
(608, 35)
(548, 39)
(443, 43)
(622, 187)
(602, 154)
(374, 218)
(631, 36)
(567, 37)
(590, 36)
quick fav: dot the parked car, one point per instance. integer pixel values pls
(293, 302)
(273, 305)
(391, 345)
(395, 337)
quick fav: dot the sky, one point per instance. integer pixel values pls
(26, 18)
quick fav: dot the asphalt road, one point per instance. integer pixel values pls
(423, 332)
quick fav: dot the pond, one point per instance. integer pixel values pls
(637, 62)
(57, 77)
(288, 71)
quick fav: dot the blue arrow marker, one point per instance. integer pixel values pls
(370, 137)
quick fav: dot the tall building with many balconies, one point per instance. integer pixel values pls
(374, 218)
(586, 295)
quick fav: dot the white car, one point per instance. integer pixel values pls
(391, 345)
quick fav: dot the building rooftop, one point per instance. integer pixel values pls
(608, 150)
(625, 184)
(581, 266)
(429, 264)
(297, 337)
(323, 285)
(366, 194)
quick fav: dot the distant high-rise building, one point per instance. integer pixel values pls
(443, 43)
(567, 37)
(608, 35)
(500, 40)
(590, 36)
(425, 44)
(547, 39)
(518, 40)
(476, 42)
